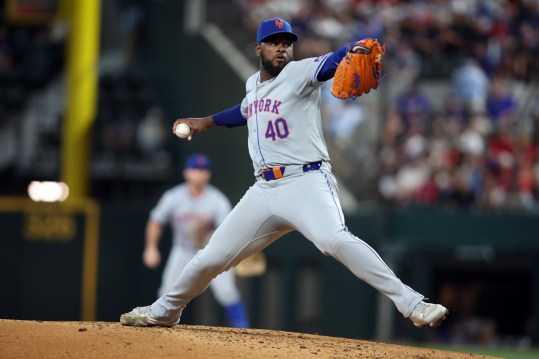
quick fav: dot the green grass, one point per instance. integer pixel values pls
(495, 352)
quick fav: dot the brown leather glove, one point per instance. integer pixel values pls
(360, 70)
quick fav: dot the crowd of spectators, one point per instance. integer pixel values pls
(500, 34)
(458, 156)
(467, 149)
(128, 127)
(129, 136)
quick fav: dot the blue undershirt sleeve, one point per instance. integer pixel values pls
(230, 118)
(330, 65)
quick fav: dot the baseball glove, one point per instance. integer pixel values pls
(360, 70)
(252, 266)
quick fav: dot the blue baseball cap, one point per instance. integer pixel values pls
(197, 161)
(272, 27)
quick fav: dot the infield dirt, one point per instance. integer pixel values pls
(42, 339)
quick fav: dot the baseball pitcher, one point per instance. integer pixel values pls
(294, 188)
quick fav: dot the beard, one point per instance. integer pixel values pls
(270, 68)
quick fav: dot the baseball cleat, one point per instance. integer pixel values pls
(428, 314)
(142, 317)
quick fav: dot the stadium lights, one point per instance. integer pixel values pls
(48, 191)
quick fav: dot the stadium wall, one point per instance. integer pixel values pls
(41, 270)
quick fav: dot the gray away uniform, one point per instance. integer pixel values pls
(283, 119)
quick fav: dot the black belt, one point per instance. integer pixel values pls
(274, 173)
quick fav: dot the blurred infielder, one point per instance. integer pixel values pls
(194, 209)
(294, 188)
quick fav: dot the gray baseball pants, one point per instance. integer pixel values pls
(305, 202)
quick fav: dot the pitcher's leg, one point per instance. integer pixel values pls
(176, 261)
(362, 260)
(316, 194)
(248, 228)
(202, 269)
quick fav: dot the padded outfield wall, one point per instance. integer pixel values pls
(45, 269)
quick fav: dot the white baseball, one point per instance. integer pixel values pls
(182, 130)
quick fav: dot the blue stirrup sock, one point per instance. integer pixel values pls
(237, 315)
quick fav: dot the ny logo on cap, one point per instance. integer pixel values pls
(279, 23)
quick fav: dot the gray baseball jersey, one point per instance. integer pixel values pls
(187, 215)
(283, 118)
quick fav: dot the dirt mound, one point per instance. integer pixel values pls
(40, 339)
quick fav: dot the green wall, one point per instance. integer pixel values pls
(42, 278)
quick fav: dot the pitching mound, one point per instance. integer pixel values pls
(36, 339)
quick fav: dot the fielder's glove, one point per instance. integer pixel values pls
(360, 70)
(252, 266)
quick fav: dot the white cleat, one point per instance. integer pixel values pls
(428, 314)
(142, 317)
